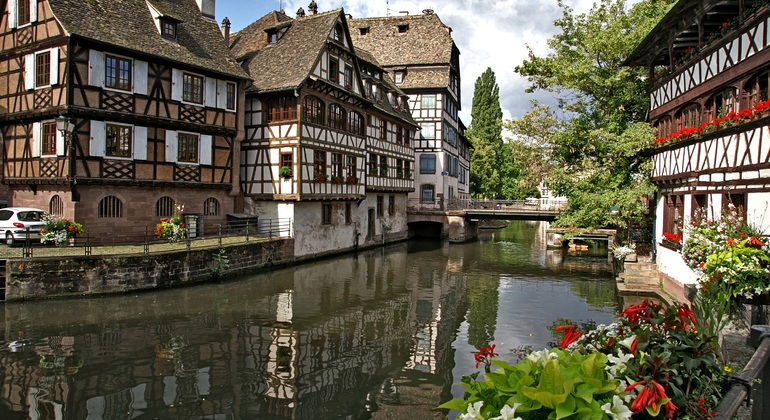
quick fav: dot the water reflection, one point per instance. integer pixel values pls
(379, 334)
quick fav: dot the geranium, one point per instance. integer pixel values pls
(171, 228)
(59, 230)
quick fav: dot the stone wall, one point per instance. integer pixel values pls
(71, 276)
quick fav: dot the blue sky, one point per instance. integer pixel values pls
(489, 33)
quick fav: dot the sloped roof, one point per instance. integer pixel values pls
(426, 77)
(128, 24)
(427, 40)
(286, 63)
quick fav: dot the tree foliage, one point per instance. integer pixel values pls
(592, 147)
(485, 134)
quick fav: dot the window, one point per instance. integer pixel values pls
(352, 167)
(427, 193)
(356, 123)
(363, 31)
(736, 199)
(314, 110)
(334, 70)
(428, 131)
(662, 126)
(348, 77)
(23, 12)
(42, 69)
(428, 101)
(48, 142)
(399, 168)
(56, 206)
(230, 96)
(118, 141)
(348, 214)
(722, 103)
(188, 148)
(337, 34)
(399, 77)
(372, 164)
(211, 207)
(700, 204)
(164, 207)
(118, 73)
(336, 117)
(689, 116)
(399, 135)
(319, 162)
(337, 165)
(383, 166)
(286, 160)
(168, 28)
(383, 130)
(391, 205)
(192, 88)
(403, 28)
(110, 206)
(326, 214)
(272, 36)
(427, 163)
(282, 109)
(368, 87)
(673, 214)
(380, 206)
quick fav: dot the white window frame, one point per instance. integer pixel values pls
(12, 18)
(30, 65)
(98, 143)
(97, 72)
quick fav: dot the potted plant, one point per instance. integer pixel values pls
(384, 170)
(285, 172)
(320, 177)
(59, 230)
(351, 179)
(337, 180)
(171, 228)
(671, 241)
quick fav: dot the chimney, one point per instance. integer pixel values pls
(300, 12)
(207, 8)
(312, 7)
(226, 30)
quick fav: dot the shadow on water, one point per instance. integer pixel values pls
(372, 335)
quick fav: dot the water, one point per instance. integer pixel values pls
(383, 334)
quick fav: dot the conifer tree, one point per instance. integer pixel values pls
(485, 135)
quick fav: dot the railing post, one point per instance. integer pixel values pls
(146, 241)
(219, 235)
(247, 230)
(761, 388)
(27, 246)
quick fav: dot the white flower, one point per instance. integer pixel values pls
(628, 341)
(541, 357)
(474, 412)
(618, 363)
(508, 413)
(617, 410)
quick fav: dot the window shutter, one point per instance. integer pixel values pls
(11, 13)
(29, 71)
(205, 149)
(176, 85)
(54, 66)
(98, 138)
(140, 143)
(60, 143)
(140, 77)
(221, 94)
(171, 146)
(36, 134)
(96, 68)
(32, 10)
(210, 92)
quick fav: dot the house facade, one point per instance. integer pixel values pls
(419, 53)
(329, 139)
(709, 66)
(147, 96)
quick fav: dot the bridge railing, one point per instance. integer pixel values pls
(530, 205)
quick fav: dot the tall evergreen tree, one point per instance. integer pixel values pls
(485, 135)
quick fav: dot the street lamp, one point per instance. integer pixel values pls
(67, 129)
(65, 126)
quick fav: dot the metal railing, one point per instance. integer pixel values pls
(531, 205)
(105, 240)
(753, 383)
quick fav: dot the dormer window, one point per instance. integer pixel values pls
(363, 31)
(168, 28)
(403, 28)
(399, 77)
(272, 37)
(338, 33)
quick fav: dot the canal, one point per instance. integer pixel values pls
(386, 333)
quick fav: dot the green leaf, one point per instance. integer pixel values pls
(566, 409)
(455, 404)
(550, 391)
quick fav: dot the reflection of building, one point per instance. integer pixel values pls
(330, 338)
(708, 66)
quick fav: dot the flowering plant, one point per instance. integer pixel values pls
(672, 240)
(59, 230)
(171, 228)
(732, 118)
(621, 252)
(654, 362)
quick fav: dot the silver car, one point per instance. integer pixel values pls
(19, 223)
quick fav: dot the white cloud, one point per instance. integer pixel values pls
(490, 34)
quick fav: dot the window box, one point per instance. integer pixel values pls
(285, 172)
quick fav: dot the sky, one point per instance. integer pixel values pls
(489, 33)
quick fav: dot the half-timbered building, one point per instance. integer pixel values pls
(146, 94)
(328, 138)
(419, 53)
(709, 66)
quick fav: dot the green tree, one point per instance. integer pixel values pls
(485, 134)
(592, 147)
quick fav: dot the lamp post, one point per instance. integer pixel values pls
(67, 129)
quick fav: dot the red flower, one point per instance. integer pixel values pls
(484, 355)
(651, 395)
(570, 335)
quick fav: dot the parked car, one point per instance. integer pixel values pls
(14, 222)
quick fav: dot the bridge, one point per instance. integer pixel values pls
(458, 219)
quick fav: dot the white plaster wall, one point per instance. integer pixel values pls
(671, 263)
(312, 237)
(758, 210)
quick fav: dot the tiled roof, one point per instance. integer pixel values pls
(128, 24)
(290, 60)
(431, 77)
(426, 41)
